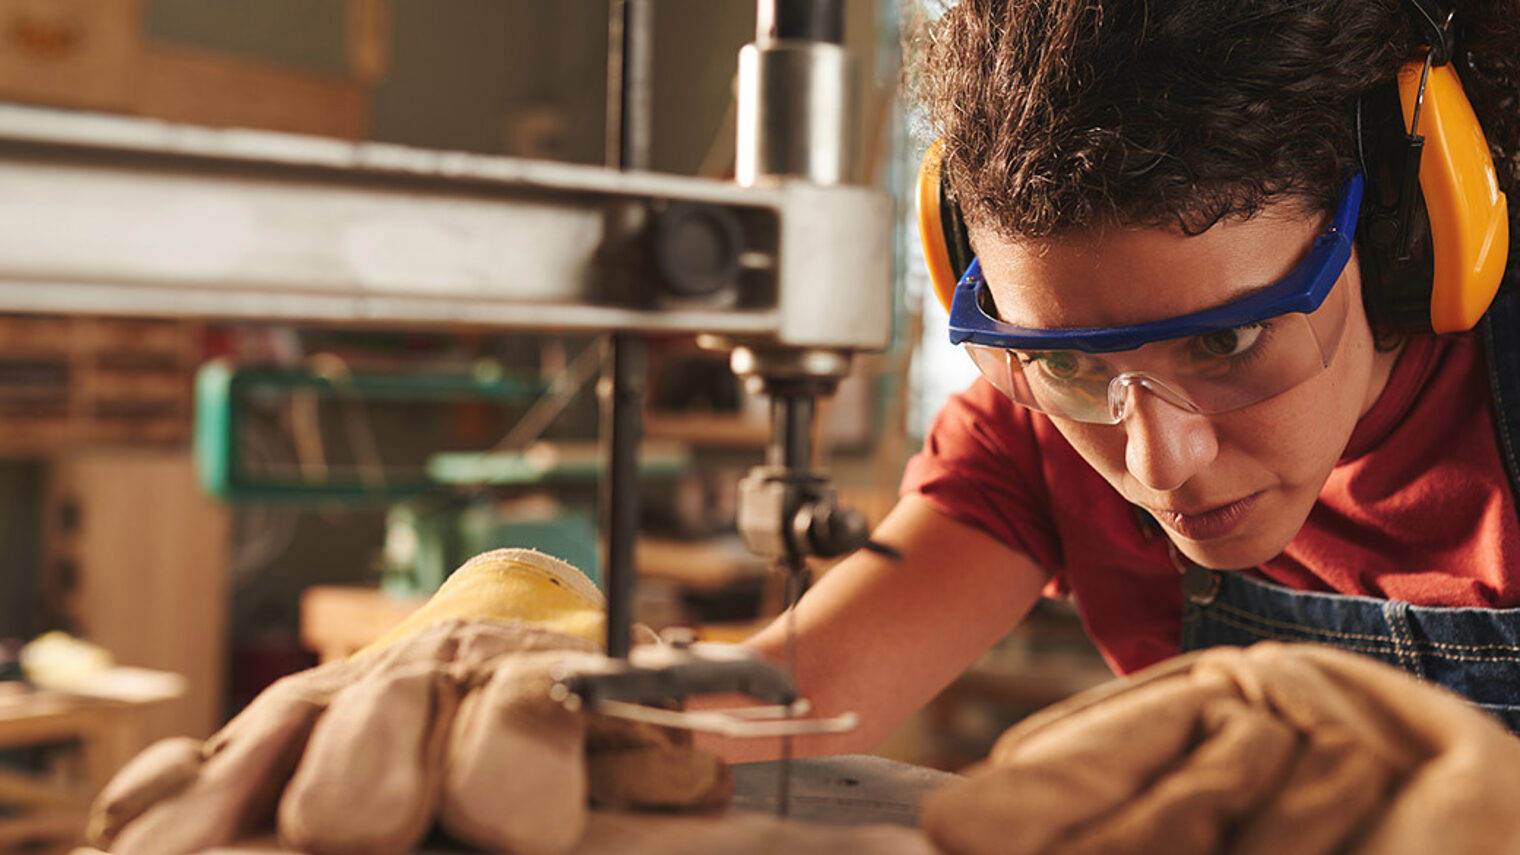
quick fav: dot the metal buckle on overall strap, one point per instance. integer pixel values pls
(1199, 584)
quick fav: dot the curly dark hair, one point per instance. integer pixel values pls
(1066, 114)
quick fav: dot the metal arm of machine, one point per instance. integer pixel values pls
(122, 216)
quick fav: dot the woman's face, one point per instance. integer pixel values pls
(1232, 489)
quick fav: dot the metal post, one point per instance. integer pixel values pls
(791, 430)
(623, 513)
(795, 107)
(810, 20)
(630, 62)
(630, 43)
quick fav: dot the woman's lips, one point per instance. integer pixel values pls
(1210, 524)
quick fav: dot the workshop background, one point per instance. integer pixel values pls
(115, 563)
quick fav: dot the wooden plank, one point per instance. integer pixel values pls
(69, 381)
(54, 435)
(36, 336)
(71, 53)
(161, 433)
(696, 565)
(337, 620)
(107, 384)
(28, 437)
(708, 429)
(733, 831)
(51, 719)
(30, 401)
(203, 88)
(133, 336)
(151, 553)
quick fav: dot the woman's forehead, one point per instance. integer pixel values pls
(1126, 275)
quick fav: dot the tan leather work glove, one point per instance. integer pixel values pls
(450, 721)
(1275, 748)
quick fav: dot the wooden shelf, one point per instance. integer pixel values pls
(702, 565)
(70, 382)
(710, 429)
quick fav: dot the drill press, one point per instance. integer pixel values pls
(794, 117)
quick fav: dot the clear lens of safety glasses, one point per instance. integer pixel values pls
(1212, 373)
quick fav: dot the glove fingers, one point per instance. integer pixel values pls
(239, 781)
(658, 777)
(185, 797)
(161, 770)
(1053, 778)
(633, 764)
(368, 782)
(516, 776)
(1238, 766)
(1331, 767)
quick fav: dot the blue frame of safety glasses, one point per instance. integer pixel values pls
(1302, 291)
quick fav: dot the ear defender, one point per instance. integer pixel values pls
(947, 248)
(1435, 234)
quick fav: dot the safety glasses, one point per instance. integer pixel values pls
(1212, 361)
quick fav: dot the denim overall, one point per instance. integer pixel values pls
(1473, 651)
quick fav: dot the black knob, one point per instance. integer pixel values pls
(836, 531)
(696, 248)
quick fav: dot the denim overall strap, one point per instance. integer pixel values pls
(1501, 344)
(1472, 651)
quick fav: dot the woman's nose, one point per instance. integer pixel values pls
(1165, 445)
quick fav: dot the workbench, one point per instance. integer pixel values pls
(846, 804)
(37, 810)
(734, 833)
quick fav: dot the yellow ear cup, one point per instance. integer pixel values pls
(931, 229)
(1469, 219)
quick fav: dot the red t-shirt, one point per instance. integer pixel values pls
(1418, 509)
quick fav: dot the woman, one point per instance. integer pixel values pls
(1189, 420)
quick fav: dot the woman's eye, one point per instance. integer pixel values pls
(1063, 366)
(1230, 342)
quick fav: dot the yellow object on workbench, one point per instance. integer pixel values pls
(337, 620)
(513, 584)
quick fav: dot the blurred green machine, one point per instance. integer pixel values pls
(456, 505)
